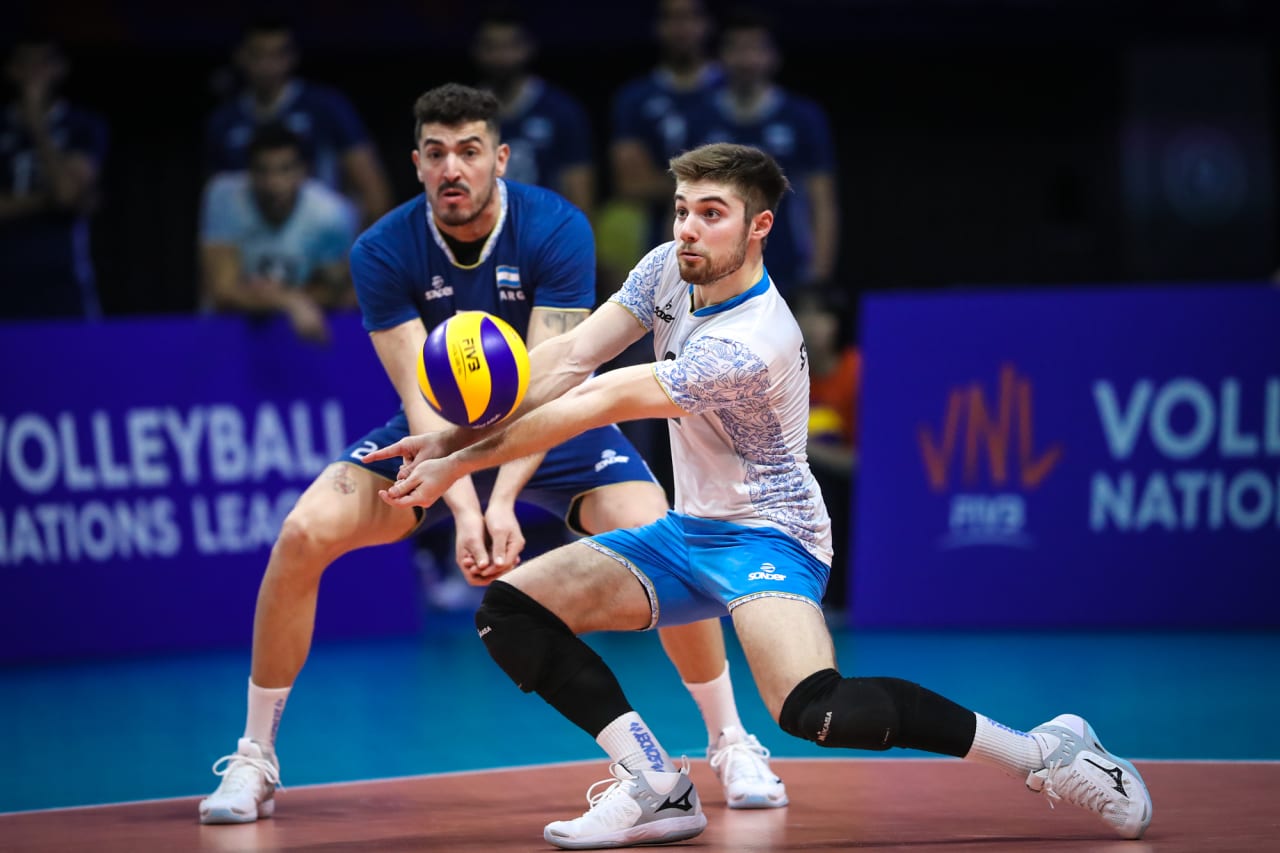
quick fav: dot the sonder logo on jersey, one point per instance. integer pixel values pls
(664, 313)
(508, 281)
(610, 457)
(439, 290)
(768, 572)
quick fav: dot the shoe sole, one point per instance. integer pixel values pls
(673, 829)
(757, 801)
(226, 815)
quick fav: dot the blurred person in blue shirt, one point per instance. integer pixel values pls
(651, 115)
(546, 128)
(335, 140)
(51, 155)
(273, 240)
(752, 109)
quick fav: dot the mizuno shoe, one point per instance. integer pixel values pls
(1080, 771)
(649, 807)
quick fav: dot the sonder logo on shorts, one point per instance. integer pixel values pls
(610, 457)
(768, 572)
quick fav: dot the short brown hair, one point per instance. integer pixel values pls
(453, 104)
(754, 174)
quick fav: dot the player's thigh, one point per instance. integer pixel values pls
(785, 640)
(588, 590)
(631, 504)
(341, 511)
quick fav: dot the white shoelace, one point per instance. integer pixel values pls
(232, 777)
(605, 805)
(753, 753)
(1092, 797)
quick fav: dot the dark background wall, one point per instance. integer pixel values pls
(992, 141)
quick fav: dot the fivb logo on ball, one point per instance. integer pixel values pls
(474, 369)
(1016, 464)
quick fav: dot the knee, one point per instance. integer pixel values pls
(306, 539)
(858, 713)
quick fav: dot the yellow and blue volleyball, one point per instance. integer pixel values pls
(474, 369)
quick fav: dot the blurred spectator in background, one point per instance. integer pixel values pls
(546, 128)
(51, 154)
(650, 116)
(335, 140)
(273, 240)
(751, 109)
(835, 380)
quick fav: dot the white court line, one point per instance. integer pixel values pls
(586, 761)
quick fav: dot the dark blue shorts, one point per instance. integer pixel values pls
(598, 457)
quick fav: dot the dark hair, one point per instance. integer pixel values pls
(747, 18)
(453, 104)
(504, 14)
(755, 175)
(272, 136)
(267, 24)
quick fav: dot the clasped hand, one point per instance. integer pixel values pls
(424, 475)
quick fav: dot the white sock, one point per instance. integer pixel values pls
(266, 705)
(630, 743)
(1016, 753)
(715, 700)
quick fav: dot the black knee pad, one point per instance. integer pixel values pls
(540, 654)
(521, 635)
(861, 713)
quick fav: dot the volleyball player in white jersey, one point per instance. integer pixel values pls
(749, 534)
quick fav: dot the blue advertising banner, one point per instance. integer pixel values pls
(146, 466)
(1105, 457)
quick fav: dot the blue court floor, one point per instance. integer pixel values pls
(103, 732)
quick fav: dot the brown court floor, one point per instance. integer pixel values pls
(914, 805)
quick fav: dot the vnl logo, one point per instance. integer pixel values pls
(996, 438)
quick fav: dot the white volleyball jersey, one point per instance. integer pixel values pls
(739, 369)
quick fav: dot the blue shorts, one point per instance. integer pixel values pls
(698, 568)
(596, 458)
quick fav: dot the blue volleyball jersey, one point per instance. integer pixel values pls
(540, 254)
(548, 131)
(47, 268)
(651, 110)
(795, 131)
(323, 117)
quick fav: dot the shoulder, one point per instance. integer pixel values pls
(394, 232)
(539, 212)
(227, 186)
(322, 95)
(325, 201)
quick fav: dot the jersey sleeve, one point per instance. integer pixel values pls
(220, 220)
(381, 287)
(712, 373)
(627, 122)
(637, 292)
(338, 233)
(566, 271)
(820, 154)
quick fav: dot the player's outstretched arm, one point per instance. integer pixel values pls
(555, 366)
(628, 393)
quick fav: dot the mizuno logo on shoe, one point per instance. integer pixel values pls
(682, 803)
(1116, 774)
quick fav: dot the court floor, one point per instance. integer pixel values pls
(95, 733)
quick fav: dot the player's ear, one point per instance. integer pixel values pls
(503, 154)
(761, 224)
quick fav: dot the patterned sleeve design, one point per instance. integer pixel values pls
(725, 376)
(637, 292)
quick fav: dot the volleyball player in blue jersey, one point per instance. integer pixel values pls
(472, 241)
